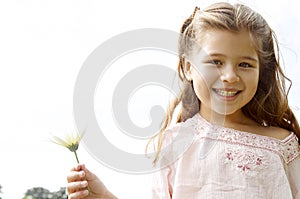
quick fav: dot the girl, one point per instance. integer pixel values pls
(234, 103)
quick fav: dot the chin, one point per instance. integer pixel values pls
(224, 112)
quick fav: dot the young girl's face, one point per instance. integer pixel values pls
(225, 72)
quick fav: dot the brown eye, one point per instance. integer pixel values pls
(215, 62)
(245, 65)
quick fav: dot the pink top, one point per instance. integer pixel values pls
(226, 163)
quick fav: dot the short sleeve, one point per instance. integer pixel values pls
(293, 174)
(162, 187)
(293, 169)
(176, 141)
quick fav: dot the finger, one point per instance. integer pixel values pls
(79, 194)
(74, 176)
(76, 186)
(88, 175)
(78, 167)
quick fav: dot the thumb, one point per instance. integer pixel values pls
(88, 174)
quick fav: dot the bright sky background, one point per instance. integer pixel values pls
(43, 45)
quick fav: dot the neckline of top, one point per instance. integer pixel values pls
(285, 140)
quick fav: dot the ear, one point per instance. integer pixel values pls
(187, 69)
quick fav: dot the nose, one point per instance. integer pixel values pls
(229, 75)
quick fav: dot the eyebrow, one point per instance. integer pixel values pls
(250, 58)
(243, 57)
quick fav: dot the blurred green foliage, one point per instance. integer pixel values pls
(0, 191)
(42, 193)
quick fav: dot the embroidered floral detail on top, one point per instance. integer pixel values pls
(288, 148)
(246, 160)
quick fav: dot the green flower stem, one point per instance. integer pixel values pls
(78, 163)
(76, 157)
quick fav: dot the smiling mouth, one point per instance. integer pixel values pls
(226, 93)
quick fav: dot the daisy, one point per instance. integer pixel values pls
(71, 141)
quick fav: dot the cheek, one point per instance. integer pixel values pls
(206, 75)
(251, 79)
(202, 81)
(201, 91)
(250, 82)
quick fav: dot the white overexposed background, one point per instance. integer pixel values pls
(43, 45)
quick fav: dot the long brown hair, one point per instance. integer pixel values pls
(269, 106)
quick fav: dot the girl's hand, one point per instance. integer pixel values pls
(84, 184)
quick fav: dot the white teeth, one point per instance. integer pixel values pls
(226, 93)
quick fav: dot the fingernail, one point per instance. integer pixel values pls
(85, 192)
(81, 174)
(84, 183)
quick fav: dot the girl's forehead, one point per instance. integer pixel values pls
(226, 42)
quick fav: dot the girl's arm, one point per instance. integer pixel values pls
(82, 183)
(293, 174)
(162, 188)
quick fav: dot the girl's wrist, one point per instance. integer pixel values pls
(109, 195)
